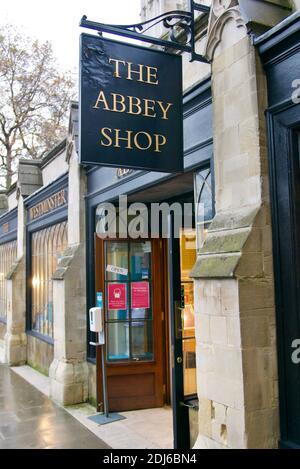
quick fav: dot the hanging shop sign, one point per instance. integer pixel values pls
(140, 297)
(130, 106)
(117, 296)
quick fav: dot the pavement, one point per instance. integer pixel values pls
(30, 420)
(141, 429)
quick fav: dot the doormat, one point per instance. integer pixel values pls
(101, 419)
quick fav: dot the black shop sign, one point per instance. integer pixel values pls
(130, 106)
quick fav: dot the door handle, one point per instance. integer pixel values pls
(190, 406)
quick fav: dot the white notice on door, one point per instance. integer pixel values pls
(116, 270)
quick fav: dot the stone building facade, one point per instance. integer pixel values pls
(241, 347)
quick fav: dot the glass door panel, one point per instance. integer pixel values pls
(116, 267)
(128, 293)
(118, 341)
(142, 340)
(140, 260)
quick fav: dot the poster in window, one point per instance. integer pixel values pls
(140, 297)
(117, 296)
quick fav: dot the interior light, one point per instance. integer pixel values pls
(35, 282)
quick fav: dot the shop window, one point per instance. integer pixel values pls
(187, 260)
(204, 204)
(190, 241)
(8, 254)
(47, 246)
(128, 300)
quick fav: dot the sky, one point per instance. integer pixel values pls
(57, 21)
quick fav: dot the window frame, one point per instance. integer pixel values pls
(128, 283)
(39, 226)
(8, 265)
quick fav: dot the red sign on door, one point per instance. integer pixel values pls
(140, 297)
(117, 296)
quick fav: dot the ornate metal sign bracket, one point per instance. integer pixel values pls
(181, 29)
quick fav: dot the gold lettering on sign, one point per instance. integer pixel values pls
(164, 109)
(152, 73)
(118, 103)
(121, 172)
(54, 201)
(138, 72)
(149, 106)
(117, 69)
(140, 140)
(133, 105)
(101, 99)
(142, 73)
(105, 132)
(125, 139)
(5, 227)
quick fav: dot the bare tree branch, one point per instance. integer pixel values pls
(34, 100)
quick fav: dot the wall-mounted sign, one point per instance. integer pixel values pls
(130, 106)
(48, 205)
(10, 222)
(140, 297)
(116, 270)
(117, 296)
(122, 172)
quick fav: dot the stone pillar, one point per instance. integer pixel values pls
(15, 337)
(69, 371)
(29, 180)
(234, 289)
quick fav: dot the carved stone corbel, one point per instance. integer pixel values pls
(250, 16)
(221, 12)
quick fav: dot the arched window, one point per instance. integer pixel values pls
(8, 254)
(47, 246)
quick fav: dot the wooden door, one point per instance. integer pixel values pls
(130, 275)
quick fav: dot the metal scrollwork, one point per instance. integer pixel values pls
(178, 22)
(180, 26)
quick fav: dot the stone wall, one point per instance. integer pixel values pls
(92, 384)
(69, 370)
(15, 337)
(2, 330)
(234, 288)
(3, 202)
(296, 4)
(39, 354)
(55, 169)
(2, 342)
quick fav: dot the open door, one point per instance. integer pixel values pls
(182, 256)
(180, 412)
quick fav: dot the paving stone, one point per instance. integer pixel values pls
(29, 420)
